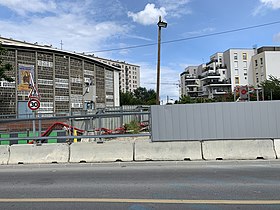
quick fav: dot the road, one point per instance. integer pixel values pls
(142, 186)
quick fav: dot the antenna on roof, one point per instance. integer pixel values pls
(61, 43)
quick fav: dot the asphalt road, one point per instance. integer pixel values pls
(142, 186)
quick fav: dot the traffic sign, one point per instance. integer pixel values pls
(243, 91)
(33, 104)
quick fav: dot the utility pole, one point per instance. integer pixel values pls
(160, 24)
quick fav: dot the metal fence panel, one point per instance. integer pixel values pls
(213, 121)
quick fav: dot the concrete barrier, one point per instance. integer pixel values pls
(45, 153)
(238, 149)
(145, 150)
(109, 151)
(4, 154)
(277, 147)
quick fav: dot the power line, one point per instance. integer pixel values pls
(188, 38)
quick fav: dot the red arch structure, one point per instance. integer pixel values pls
(60, 126)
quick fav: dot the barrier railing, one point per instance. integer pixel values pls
(74, 127)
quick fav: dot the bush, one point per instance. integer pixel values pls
(133, 127)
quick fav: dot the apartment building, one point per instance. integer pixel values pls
(190, 82)
(214, 78)
(265, 62)
(129, 74)
(235, 67)
(239, 66)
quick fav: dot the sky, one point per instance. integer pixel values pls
(110, 28)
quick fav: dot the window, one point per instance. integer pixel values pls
(235, 64)
(261, 69)
(261, 61)
(235, 56)
(220, 59)
(245, 64)
(257, 79)
(236, 72)
(256, 62)
(244, 56)
(245, 78)
(236, 80)
(224, 72)
(245, 71)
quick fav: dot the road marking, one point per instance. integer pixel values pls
(119, 200)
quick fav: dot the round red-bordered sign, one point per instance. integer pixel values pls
(33, 104)
(243, 91)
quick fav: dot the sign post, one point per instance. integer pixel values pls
(34, 101)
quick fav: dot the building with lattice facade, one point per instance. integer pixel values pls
(67, 82)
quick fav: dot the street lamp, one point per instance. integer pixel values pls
(161, 24)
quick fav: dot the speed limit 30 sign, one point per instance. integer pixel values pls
(33, 104)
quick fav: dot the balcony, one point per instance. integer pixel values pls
(221, 66)
(190, 77)
(210, 75)
(220, 92)
(189, 83)
(217, 83)
(212, 61)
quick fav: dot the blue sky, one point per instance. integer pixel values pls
(96, 25)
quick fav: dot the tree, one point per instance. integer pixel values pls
(185, 100)
(140, 96)
(144, 95)
(271, 88)
(127, 99)
(4, 67)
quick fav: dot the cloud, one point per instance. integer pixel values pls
(199, 32)
(272, 4)
(265, 5)
(33, 6)
(139, 37)
(74, 22)
(76, 32)
(175, 8)
(149, 15)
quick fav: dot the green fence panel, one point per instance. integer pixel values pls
(5, 142)
(51, 141)
(54, 134)
(5, 135)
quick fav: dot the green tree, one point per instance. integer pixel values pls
(140, 96)
(271, 88)
(186, 100)
(127, 99)
(4, 67)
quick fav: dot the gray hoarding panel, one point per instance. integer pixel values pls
(177, 131)
(204, 121)
(242, 120)
(219, 121)
(197, 121)
(274, 116)
(227, 120)
(190, 126)
(265, 129)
